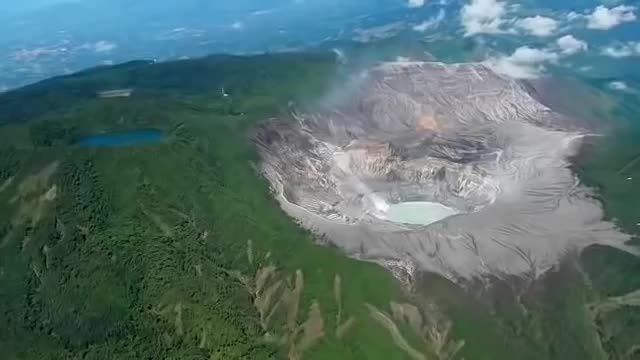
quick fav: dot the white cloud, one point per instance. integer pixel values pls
(483, 16)
(603, 18)
(403, 59)
(33, 54)
(538, 25)
(415, 3)
(524, 63)
(340, 55)
(569, 45)
(618, 85)
(617, 51)
(430, 23)
(572, 15)
(99, 47)
(529, 63)
(621, 50)
(238, 25)
(528, 55)
(104, 46)
(263, 12)
(506, 67)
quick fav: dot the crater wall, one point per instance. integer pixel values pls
(459, 135)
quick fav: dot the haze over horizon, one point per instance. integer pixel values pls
(320, 179)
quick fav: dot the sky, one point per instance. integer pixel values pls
(13, 7)
(39, 38)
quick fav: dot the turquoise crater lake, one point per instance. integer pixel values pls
(122, 138)
(419, 212)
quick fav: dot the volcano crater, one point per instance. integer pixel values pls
(448, 168)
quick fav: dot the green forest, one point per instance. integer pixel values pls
(176, 249)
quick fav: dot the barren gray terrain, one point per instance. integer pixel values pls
(458, 135)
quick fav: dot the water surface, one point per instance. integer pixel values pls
(419, 212)
(122, 138)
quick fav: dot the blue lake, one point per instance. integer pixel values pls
(122, 138)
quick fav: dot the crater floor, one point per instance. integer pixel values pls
(446, 168)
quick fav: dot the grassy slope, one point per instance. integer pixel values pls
(611, 166)
(134, 257)
(545, 319)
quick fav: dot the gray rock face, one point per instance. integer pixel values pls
(459, 135)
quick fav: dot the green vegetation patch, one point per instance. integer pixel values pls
(172, 249)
